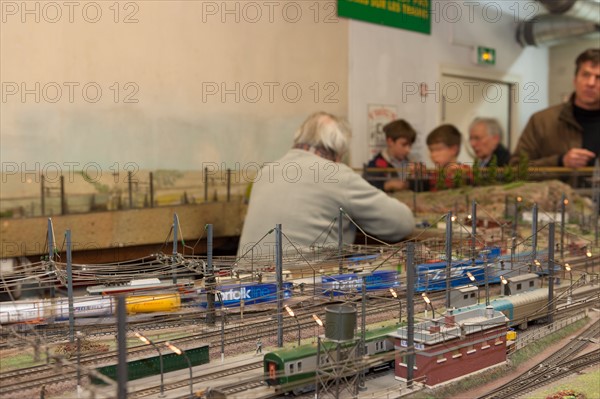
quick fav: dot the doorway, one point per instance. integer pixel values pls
(464, 98)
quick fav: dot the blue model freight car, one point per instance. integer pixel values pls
(432, 276)
(342, 284)
(353, 260)
(490, 253)
(251, 293)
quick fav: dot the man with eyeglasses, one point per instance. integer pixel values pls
(485, 136)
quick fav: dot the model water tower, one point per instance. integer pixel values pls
(338, 368)
(340, 322)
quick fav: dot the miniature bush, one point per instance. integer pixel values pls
(69, 349)
(567, 394)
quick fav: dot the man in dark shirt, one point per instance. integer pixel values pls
(567, 134)
(589, 120)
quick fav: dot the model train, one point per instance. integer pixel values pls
(532, 306)
(136, 285)
(47, 311)
(342, 284)
(233, 295)
(293, 370)
(57, 309)
(430, 277)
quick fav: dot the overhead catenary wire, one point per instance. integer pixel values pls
(298, 251)
(329, 228)
(199, 239)
(482, 208)
(253, 246)
(362, 231)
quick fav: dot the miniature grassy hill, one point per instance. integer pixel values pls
(547, 194)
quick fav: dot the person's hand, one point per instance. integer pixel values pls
(394, 185)
(452, 167)
(577, 158)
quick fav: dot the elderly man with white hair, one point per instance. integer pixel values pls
(485, 136)
(305, 189)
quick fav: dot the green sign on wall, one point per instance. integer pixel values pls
(486, 56)
(405, 14)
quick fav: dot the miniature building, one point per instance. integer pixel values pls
(544, 216)
(453, 346)
(522, 283)
(464, 296)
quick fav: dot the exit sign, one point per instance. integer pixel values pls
(486, 56)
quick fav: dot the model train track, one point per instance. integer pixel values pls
(35, 382)
(17, 379)
(61, 334)
(544, 376)
(23, 381)
(18, 376)
(45, 375)
(58, 333)
(378, 310)
(239, 387)
(98, 358)
(575, 346)
(583, 260)
(552, 368)
(309, 307)
(53, 333)
(185, 381)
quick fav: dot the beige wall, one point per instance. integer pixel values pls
(169, 60)
(562, 67)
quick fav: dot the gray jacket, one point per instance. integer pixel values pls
(304, 192)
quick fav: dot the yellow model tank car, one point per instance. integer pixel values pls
(153, 303)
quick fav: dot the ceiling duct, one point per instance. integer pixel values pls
(551, 29)
(586, 10)
(568, 19)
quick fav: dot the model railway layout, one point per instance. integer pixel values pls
(223, 307)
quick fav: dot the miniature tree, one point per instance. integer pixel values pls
(509, 174)
(523, 169)
(476, 173)
(440, 182)
(457, 178)
(492, 170)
